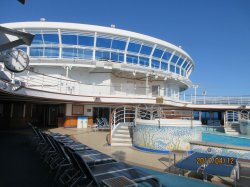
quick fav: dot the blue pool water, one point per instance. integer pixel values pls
(221, 138)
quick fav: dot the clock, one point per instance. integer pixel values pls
(16, 60)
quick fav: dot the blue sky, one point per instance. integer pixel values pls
(216, 33)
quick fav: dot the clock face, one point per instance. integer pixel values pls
(16, 60)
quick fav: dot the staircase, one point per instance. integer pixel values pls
(233, 129)
(122, 136)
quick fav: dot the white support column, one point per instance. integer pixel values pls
(169, 61)
(125, 51)
(60, 43)
(94, 49)
(151, 54)
(146, 84)
(68, 111)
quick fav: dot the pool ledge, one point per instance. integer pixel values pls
(219, 145)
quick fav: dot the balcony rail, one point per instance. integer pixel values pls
(67, 86)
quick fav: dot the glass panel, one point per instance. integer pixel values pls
(102, 55)
(155, 90)
(51, 52)
(132, 59)
(37, 39)
(146, 50)
(36, 51)
(157, 53)
(174, 59)
(117, 44)
(177, 70)
(133, 47)
(185, 64)
(69, 39)
(144, 61)
(103, 42)
(155, 64)
(166, 55)
(164, 66)
(117, 57)
(85, 54)
(188, 66)
(180, 61)
(50, 38)
(172, 68)
(85, 40)
(69, 52)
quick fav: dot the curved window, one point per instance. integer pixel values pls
(177, 70)
(51, 38)
(86, 40)
(69, 52)
(69, 39)
(117, 57)
(51, 52)
(103, 42)
(22, 48)
(174, 59)
(131, 59)
(134, 47)
(144, 61)
(102, 55)
(146, 50)
(158, 53)
(185, 64)
(36, 51)
(85, 54)
(117, 44)
(180, 61)
(155, 64)
(172, 68)
(38, 39)
(164, 66)
(166, 55)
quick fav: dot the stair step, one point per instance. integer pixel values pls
(121, 135)
(123, 127)
(122, 131)
(121, 144)
(121, 140)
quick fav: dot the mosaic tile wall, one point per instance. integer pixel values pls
(165, 138)
(221, 151)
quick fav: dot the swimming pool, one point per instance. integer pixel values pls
(222, 138)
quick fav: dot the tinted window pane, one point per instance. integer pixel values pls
(155, 64)
(146, 50)
(69, 52)
(51, 38)
(180, 61)
(132, 59)
(85, 54)
(172, 68)
(85, 40)
(177, 70)
(37, 39)
(185, 64)
(22, 48)
(102, 55)
(51, 52)
(133, 47)
(174, 59)
(157, 53)
(166, 55)
(69, 39)
(117, 57)
(36, 51)
(164, 66)
(144, 61)
(103, 42)
(117, 44)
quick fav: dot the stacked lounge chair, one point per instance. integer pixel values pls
(75, 164)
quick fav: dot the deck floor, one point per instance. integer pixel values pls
(159, 162)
